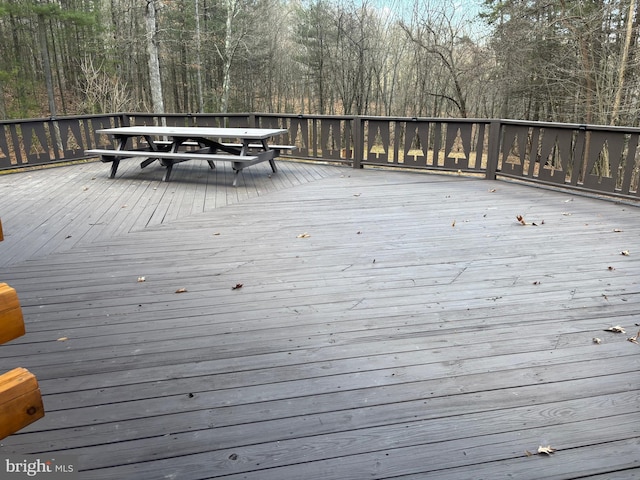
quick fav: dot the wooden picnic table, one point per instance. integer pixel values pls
(242, 147)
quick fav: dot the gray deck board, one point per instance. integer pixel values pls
(419, 331)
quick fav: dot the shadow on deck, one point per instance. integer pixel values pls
(333, 324)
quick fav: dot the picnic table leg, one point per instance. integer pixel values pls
(272, 161)
(167, 173)
(235, 177)
(147, 162)
(122, 145)
(114, 167)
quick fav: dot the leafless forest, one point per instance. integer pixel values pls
(557, 60)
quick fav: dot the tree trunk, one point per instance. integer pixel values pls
(154, 62)
(228, 55)
(199, 59)
(46, 65)
(623, 64)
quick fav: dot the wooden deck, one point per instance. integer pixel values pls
(389, 324)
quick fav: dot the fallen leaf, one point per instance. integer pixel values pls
(237, 286)
(548, 450)
(62, 339)
(181, 290)
(453, 224)
(617, 230)
(217, 233)
(597, 340)
(492, 190)
(625, 253)
(566, 214)
(520, 219)
(303, 235)
(357, 194)
(616, 329)
(528, 453)
(610, 268)
(634, 339)
(141, 279)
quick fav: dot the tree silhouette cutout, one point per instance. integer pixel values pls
(457, 149)
(378, 145)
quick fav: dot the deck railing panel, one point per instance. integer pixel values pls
(591, 158)
(440, 144)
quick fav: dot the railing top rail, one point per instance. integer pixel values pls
(55, 119)
(570, 126)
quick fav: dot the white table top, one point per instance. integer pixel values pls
(191, 132)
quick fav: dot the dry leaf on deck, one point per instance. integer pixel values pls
(597, 340)
(611, 268)
(616, 329)
(303, 235)
(62, 339)
(181, 290)
(634, 339)
(237, 286)
(453, 224)
(520, 218)
(626, 253)
(141, 279)
(493, 190)
(617, 230)
(548, 450)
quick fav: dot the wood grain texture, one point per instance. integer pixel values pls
(418, 330)
(11, 319)
(20, 401)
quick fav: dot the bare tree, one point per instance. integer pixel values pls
(103, 93)
(441, 33)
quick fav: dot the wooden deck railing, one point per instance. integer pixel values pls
(597, 159)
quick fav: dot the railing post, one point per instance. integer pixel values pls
(125, 120)
(493, 149)
(358, 142)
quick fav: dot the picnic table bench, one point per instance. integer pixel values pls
(172, 145)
